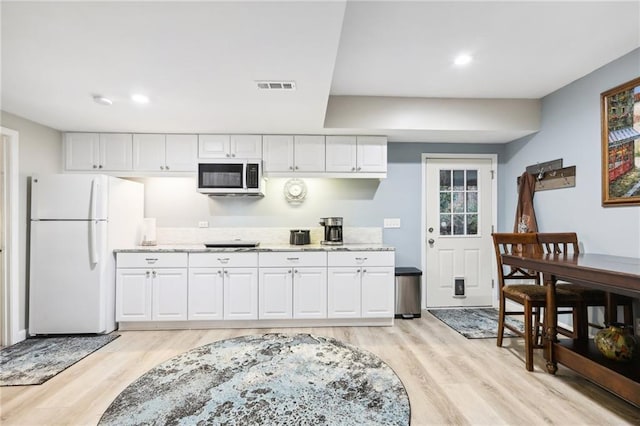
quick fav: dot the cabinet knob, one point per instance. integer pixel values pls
(95, 167)
(233, 155)
(290, 168)
(364, 270)
(353, 169)
(296, 167)
(359, 168)
(153, 274)
(228, 155)
(295, 271)
(161, 167)
(147, 274)
(226, 272)
(100, 166)
(166, 167)
(358, 271)
(289, 270)
(220, 272)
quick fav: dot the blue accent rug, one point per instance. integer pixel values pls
(475, 323)
(270, 379)
(36, 360)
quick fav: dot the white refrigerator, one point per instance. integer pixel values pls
(76, 223)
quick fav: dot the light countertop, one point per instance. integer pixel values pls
(200, 248)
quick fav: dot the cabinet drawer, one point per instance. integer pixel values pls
(207, 260)
(364, 258)
(147, 260)
(292, 258)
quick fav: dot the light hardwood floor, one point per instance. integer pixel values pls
(449, 379)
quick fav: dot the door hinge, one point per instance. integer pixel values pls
(492, 174)
(492, 231)
(492, 283)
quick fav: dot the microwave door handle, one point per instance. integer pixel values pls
(245, 167)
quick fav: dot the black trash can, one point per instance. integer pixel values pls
(408, 293)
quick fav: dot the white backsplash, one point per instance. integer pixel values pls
(266, 236)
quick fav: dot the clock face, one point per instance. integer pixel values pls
(295, 190)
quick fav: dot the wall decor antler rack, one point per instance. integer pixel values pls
(551, 175)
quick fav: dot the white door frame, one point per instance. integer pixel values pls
(11, 332)
(423, 216)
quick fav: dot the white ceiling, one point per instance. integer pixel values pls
(198, 62)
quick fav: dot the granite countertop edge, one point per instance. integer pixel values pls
(200, 248)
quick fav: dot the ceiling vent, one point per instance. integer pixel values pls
(276, 85)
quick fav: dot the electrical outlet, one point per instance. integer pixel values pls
(392, 222)
(203, 224)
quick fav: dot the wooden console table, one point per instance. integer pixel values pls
(613, 274)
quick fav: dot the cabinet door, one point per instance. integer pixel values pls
(181, 153)
(116, 151)
(277, 153)
(275, 293)
(240, 294)
(309, 153)
(378, 292)
(133, 294)
(246, 146)
(310, 292)
(169, 294)
(343, 292)
(341, 154)
(148, 152)
(205, 294)
(214, 146)
(81, 151)
(372, 154)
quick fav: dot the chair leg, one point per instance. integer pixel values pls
(580, 321)
(501, 320)
(528, 336)
(537, 335)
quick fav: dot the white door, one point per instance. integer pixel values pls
(275, 293)
(149, 152)
(205, 294)
(69, 197)
(169, 294)
(309, 153)
(82, 151)
(246, 146)
(240, 294)
(459, 246)
(277, 153)
(181, 153)
(116, 151)
(133, 294)
(65, 287)
(372, 154)
(341, 154)
(213, 146)
(343, 293)
(310, 292)
(378, 292)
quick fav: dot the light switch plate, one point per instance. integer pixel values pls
(392, 222)
(203, 224)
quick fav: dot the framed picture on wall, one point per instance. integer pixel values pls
(620, 108)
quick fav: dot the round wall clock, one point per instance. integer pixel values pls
(295, 190)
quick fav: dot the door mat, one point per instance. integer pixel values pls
(270, 379)
(475, 323)
(36, 360)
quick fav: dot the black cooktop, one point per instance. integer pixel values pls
(232, 244)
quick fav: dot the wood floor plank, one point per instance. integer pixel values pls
(449, 379)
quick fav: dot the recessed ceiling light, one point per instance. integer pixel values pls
(139, 98)
(102, 100)
(462, 59)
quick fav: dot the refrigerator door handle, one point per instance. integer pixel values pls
(93, 250)
(94, 196)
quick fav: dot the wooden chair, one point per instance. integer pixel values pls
(532, 296)
(567, 243)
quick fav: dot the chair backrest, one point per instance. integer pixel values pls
(513, 243)
(559, 242)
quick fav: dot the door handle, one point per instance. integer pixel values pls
(431, 241)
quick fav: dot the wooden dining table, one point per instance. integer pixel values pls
(613, 274)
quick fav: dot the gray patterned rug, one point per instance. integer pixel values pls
(36, 360)
(270, 379)
(475, 323)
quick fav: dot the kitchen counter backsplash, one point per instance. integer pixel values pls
(266, 236)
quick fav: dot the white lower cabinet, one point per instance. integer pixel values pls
(206, 290)
(151, 287)
(310, 292)
(240, 293)
(275, 293)
(361, 290)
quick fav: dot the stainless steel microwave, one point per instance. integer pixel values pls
(230, 177)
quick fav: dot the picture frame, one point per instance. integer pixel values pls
(620, 124)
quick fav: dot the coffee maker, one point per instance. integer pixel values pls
(332, 230)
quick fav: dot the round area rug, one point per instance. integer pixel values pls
(270, 379)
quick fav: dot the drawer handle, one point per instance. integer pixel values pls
(147, 274)
(360, 259)
(293, 259)
(151, 260)
(223, 259)
(153, 274)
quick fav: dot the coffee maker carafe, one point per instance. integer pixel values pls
(332, 230)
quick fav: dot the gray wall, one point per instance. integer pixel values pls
(40, 151)
(571, 130)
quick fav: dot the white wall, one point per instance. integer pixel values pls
(571, 131)
(40, 151)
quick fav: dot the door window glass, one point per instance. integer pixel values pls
(458, 202)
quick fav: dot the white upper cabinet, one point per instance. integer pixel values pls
(165, 153)
(277, 153)
(230, 146)
(308, 153)
(357, 154)
(293, 154)
(98, 151)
